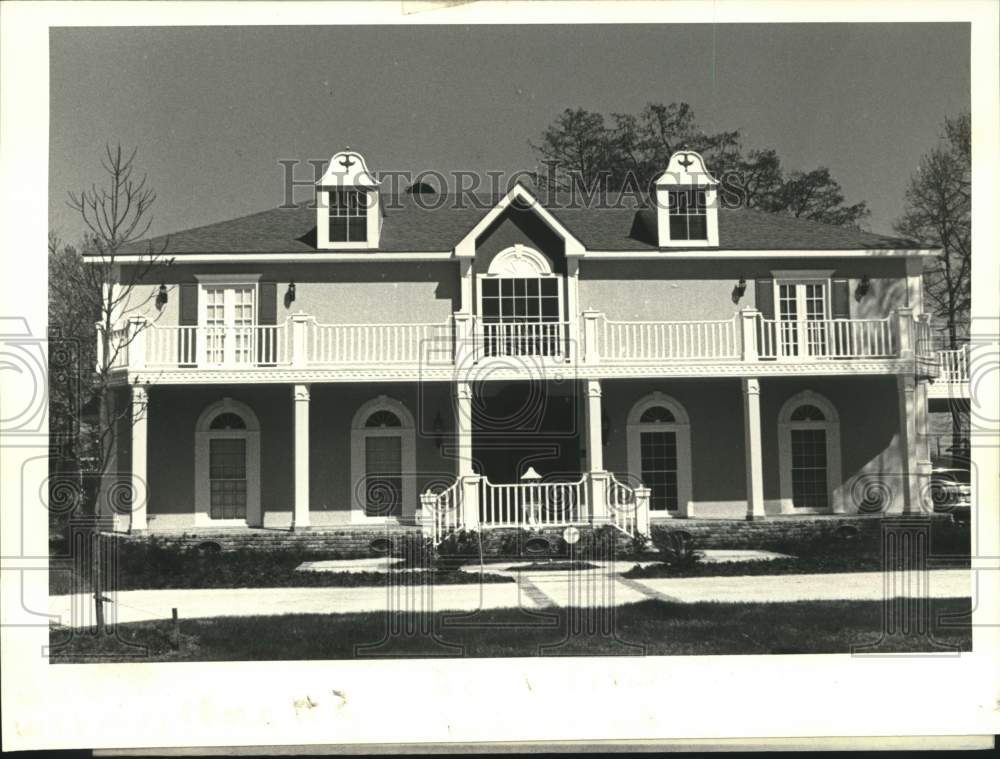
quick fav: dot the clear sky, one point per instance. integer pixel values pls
(213, 110)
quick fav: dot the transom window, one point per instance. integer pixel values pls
(228, 421)
(688, 214)
(383, 418)
(348, 216)
(656, 414)
(807, 413)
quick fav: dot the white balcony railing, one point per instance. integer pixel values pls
(334, 344)
(638, 341)
(259, 345)
(826, 338)
(954, 366)
(543, 339)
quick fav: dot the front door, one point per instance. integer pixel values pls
(658, 461)
(383, 476)
(227, 473)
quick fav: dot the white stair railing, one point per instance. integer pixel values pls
(533, 504)
(441, 512)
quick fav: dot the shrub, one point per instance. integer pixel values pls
(676, 548)
(416, 551)
(458, 548)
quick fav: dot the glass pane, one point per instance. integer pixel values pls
(807, 413)
(809, 476)
(491, 287)
(678, 228)
(383, 418)
(358, 231)
(227, 478)
(338, 229)
(658, 462)
(657, 414)
(228, 421)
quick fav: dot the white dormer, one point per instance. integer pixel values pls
(348, 215)
(687, 208)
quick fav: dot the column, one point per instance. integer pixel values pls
(574, 350)
(300, 516)
(140, 491)
(463, 425)
(910, 417)
(597, 490)
(754, 451)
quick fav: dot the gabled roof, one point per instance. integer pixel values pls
(437, 223)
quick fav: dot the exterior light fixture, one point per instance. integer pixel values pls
(739, 290)
(290, 295)
(161, 296)
(863, 288)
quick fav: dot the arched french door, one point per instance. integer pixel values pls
(809, 450)
(383, 462)
(227, 466)
(659, 453)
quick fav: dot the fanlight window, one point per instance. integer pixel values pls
(228, 421)
(657, 414)
(383, 418)
(807, 413)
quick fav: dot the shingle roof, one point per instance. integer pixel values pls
(436, 224)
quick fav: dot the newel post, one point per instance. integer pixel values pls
(597, 493)
(591, 350)
(136, 343)
(904, 328)
(470, 501)
(642, 494)
(748, 330)
(300, 340)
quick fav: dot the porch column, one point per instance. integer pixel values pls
(463, 427)
(140, 491)
(598, 478)
(754, 451)
(912, 422)
(300, 515)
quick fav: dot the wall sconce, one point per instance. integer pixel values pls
(863, 288)
(161, 296)
(290, 294)
(437, 430)
(739, 290)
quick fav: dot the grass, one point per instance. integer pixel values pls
(150, 565)
(949, 548)
(650, 627)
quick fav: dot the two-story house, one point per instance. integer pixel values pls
(368, 359)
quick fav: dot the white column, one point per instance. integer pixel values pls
(300, 516)
(754, 451)
(136, 343)
(907, 391)
(597, 491)
(465, 276)
(463, 424)
(904, 328)
(140, 491)
(573, 307)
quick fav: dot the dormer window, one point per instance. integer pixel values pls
(348, 213)
(688, 217)
(687, 214)
(348, 216)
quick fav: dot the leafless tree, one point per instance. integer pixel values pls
(100, 285)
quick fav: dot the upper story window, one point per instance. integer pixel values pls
(688, 215)
(348, 216)
(348, 212)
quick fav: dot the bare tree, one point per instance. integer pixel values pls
(116, 214)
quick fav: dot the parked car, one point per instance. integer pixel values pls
(951, 490)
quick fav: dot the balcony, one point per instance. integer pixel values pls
(593, 346)
(952, 382)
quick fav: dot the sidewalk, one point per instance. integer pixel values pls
(534, 590)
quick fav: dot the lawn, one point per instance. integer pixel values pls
(649, 627)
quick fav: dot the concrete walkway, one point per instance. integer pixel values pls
(533, 590)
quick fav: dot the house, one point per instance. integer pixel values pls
(370, 359)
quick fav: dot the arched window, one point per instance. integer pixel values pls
(659, 453)
(227, 465)
(383, 462)
(521, 305)
(809, 449)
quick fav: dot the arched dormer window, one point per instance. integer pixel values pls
(687, 203)
(659, 453)
(521, 305)
(809, 452)
(348, 213)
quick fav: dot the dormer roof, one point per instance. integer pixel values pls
(347, 169)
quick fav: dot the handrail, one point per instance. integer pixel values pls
(533, 504)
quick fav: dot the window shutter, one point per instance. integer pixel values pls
(840, 299)
(267, 309)
(187, 347)
(188, 304)
(765, 297)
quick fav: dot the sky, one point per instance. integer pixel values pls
(213, 110)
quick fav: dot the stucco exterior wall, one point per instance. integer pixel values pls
(173, 413)
(869, 433)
